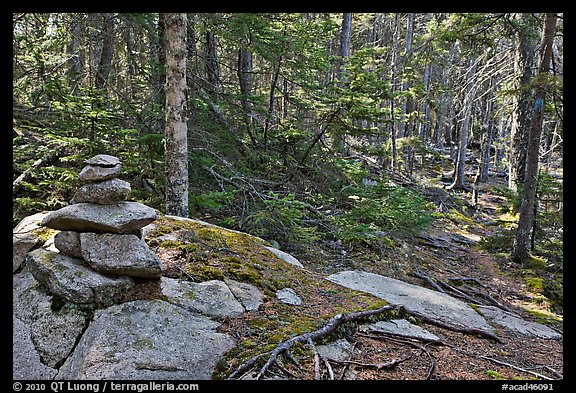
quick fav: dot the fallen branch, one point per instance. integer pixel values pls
(515, 367)
(377, 366)
(466, 279)
(472, 331)
(401, 340)
(439, 285)
(429, 280)
(501, 363)
(315, 335)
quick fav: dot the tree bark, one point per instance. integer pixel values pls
(176, 148)
(75, 52)
(470, 90)
(521, 248)
(521, 117)
(338, 139)
(105, 64)
(245, 80)
(212, 65)
(393, 134)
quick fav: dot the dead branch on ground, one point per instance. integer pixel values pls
(315, 335)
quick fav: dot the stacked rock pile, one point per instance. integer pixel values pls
(100, 244)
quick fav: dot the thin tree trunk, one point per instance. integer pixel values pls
(212, 65)
(521, 116)
(407, 48)
(338, 138)
(521, 248)
(75, 52)
(393, 134)
(245, 80)
(105, 63)
(271, 102)
(158, 60)
(176, 148)
(459, 176)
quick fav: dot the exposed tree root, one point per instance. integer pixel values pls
(309, 337)
(469, 294)
(332, 324)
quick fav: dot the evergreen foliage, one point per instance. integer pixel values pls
(260, 157)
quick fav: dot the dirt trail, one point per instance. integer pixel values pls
(447, 250)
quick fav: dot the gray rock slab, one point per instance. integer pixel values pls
(24, 239)
(123, 217)
(104, 160)
(119, 254)
(147, 340)
(70, 279)
(98, 173)
(211, 298)
(26, 363)
(288, 296)
(436, 305)
(339, 350)
(284, 256)
(105, 192)
(21, 245)
(68, 243)
(53, 332)
(250, 296)
(30, 223)
(518, 325)
(401, 327)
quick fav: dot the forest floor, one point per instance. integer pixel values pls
(450, 248)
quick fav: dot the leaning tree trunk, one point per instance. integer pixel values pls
(521, 248)
(176, 148)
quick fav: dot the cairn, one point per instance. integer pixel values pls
(101, 250)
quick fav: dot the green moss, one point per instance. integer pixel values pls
(44, 233)
(475, 308)
(535, 284)
(535, 262)
(178, 245)
(494, 375)
(544, 317)
(204, 272)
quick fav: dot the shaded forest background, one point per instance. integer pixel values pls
(302, 128)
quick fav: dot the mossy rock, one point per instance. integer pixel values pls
(211, 252)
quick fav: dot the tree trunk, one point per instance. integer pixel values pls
(338, 142)
(470, 90)
(245, 80)
(176, 153)
(158, 77)
(271, 102)
(393, 134)
(521, 248)
(105, 64)
(212, 65)
(521, 116)
(75, 52)
(407, 48)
